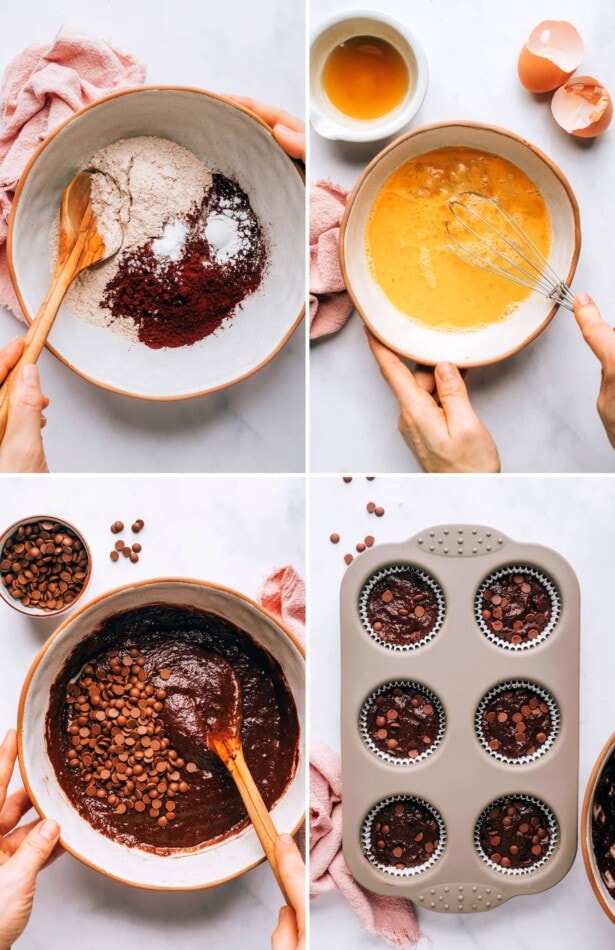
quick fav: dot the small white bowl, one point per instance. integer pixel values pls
(329, 121)
(229, 139)
(486, 344)
(38, 611)
(186, 870)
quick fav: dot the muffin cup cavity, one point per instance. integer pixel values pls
(385, 810)
(507, 859)
(434, 610)
(544, 699)
(403, 695)
(495, 627)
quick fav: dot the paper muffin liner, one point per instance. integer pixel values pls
(553, 839)
(553, 711)
(556, 606)
(366, 828)
(422, 575)
(386, 756)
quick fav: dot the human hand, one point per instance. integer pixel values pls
(288, 131)
(600, 337)
(21, 449)
(444, 437)
(23, 851)
(290, 932)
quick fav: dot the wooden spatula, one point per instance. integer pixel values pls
(219, 731)
(80, 246)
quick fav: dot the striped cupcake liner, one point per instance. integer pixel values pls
(422, 576)
(553, 712)
(556, 606)
(366, 829)
(397, 760)
(553, 836)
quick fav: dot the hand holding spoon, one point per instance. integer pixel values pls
(215, 724)
(81, 245)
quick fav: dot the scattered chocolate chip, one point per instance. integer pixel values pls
(371, 507)
(137, 526)
(369, 540)
(117, 526)
(136, 547)
(347, 479)
(379, 511)
(348, 558)
(114, 555)
(360, 547)
(334, 538)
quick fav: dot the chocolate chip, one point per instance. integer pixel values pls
(360, 547)
(369, 540)
(117, 526)
(114, 555)
(348, 558)
(334, 538)
(347, 479)
(379, 511)
(137, 526)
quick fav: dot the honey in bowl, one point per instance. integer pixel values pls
(407, 244)
(365, 77)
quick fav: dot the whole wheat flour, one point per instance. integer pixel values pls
(150, 184)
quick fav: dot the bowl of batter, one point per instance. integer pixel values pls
(417, 296)
(106, 750)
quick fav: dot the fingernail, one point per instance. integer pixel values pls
(583, 299)
(29, 374)
(286, 839)
(446, 371)
(49, 830)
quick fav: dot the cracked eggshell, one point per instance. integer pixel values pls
(551, 54)
(583, 107)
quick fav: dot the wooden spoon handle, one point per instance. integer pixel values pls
(232, 755)
(35, 338)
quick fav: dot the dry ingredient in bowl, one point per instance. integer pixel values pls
(192, 247)
(44, 565)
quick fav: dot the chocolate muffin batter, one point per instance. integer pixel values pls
(516, 722)
(139, 664)
(403, 721)
(515, 833)
(404, 834)
(402, 608)
(603, 824)
(516, 607)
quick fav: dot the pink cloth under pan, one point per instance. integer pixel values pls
(41, 87)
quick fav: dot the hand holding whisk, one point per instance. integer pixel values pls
(487, 236)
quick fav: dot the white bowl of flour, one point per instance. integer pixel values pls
(139, 137)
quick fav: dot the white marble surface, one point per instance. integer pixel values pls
(539, 405)
(570, 515)
(234, 531)
(258, 425)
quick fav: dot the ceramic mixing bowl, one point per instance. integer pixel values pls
(472, 347)
(196, 868)
(230, 140)
(605, 899)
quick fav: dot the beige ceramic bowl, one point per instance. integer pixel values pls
(326, 119)
(605, 899)
(230, 140)
(470, 347)
(37, 611)
(190, 869)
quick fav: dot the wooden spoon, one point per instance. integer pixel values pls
(80, 246)
(214, 723)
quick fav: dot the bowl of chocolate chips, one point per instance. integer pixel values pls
(598, 828)
(203, 216)
(113, 726)
(45, 565)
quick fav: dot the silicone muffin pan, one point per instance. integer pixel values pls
(460, 718)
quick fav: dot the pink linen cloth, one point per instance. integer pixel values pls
(41, 87)
(393, 919)
(330, 305)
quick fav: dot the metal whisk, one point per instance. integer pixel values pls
(504, 248)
